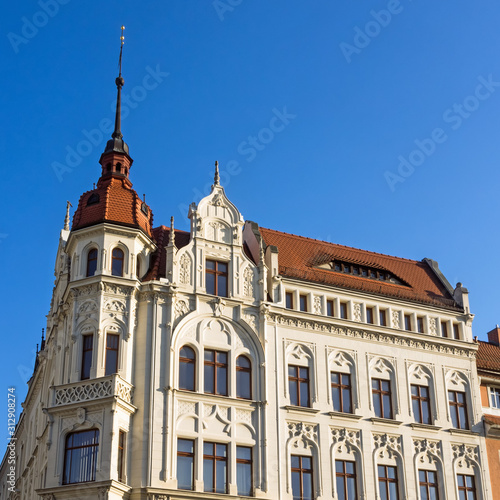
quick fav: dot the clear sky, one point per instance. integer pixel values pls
(373, 124)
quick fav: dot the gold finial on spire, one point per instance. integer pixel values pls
(122, 38)
(216, 176)
(66, 219)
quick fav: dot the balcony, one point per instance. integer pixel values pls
(112, 386)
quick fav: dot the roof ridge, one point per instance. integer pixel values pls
(342, 246)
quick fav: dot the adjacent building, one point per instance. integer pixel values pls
(234, 361)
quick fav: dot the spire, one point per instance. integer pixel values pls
(171, 240)
(66, 219)
(216, 176)
(116, 143)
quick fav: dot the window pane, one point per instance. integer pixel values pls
(221, 476)
(222, 380)
(426, 413)
(209, 379)
(112, 342)
(423, 493)
(244, 479)
(416, 410)
(346, 400)
(393, 491)
(92, 262)
(377, 407)
(222, 286)
(306, 462)
(243, 383)
(387, 406)
(341, 488)
(307, 489)
(294, 393)
(304, 394)
(117, 262)
(208, 475)
(187, 369)
(462, 417)
(296, 486)
(295, 461)
(391, 472)
(336, 399)
(210, 283)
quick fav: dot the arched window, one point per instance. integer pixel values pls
(243, 378)
(138, 268)
(187, 368)
(92, 262)
(80, 456)
(117, 262)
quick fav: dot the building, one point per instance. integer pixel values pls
(233, 361)
(488, 368)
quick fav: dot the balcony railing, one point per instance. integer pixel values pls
(93, 389)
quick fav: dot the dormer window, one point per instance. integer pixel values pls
(93, 199)
(117, 262)
(216, 277)
(144, 208)
(119, 168)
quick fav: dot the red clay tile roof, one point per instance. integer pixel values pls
(298, 256)
(492, 419)
(118, 203)
(488, 356)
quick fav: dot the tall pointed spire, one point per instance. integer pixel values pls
(66, 218)
(171, 241)
(116, 143)
(216, 176)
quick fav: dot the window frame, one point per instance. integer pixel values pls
(289, 300)
(108, 349)
(380, 393)
(444, 330)
(370, 315)
(216, 365)
(86, 349)
(120, 260)
(186, 454)
(456, 331)
(494, 391)
(244, 370)
(454, 409)
(382, 317)
(301, 471)
(407, 322)
(343, 310)
(341, 387)
(386, 480)
(89, 260)
(245, 462)
(345, 476)
(190, 362)
(95, 453)
(303, 302)
(466, 489)
(330, 308)
(427, 484)
(214, 458)
(420, 324)
(217, 274)
(420, 399)
(299, 380)
(122, 436)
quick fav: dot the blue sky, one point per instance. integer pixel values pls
(315, 111)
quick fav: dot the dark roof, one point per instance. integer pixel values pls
(299, 257)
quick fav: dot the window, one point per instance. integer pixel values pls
(341, 392)
(88, 341)
(329, 307)
(80, 456)
(185, 464)
(91, 262)
(345, 473)
(216, 278)
(117, 258)
(343, 310)
(298, 384)
(289, 300)
(187, 368)
(388, 482)
(456, 331)
(421, 404)
(243, 378)
(112, 343)
(495, 397)
(407, 322)
(458, 409)
(444, 329)
(215, 467)
(420, 324)
(302, 478)
(244, 472)
(138, 268)
(369, 315)
(215, 372)
(382, 404)
(382, 316)
(303, 302)
(427, 480)
(121, 456)
(466, 487)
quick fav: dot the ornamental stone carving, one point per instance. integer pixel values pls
(248, 275)
(346, 437)
(181, 308)
(115, 305)
(244, 416)
(85, 291)
(432, 326)
(118, 289)
(386, 445)
(317, 305)
(302, 434)
(87, 307)
(465, 455)
(395, 319)
(185, 270)
(356, 312)
(428, 450)
(186, 407)
(251, 319)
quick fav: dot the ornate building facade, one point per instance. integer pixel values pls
(233, 361)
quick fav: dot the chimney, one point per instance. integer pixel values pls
(494, 336)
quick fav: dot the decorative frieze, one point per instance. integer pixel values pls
(185, 270)
(248, 276)
(427, 450)
(387, 445)
(465, 455)
(302, 434)
(347, 438)
(317, 309)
